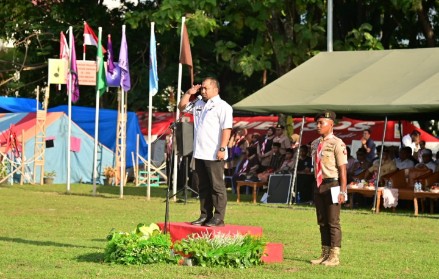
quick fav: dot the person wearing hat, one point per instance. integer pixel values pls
(427, 161)
(330, 160)
(281, 138)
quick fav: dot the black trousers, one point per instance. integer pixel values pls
(212, 190)
(328, 215)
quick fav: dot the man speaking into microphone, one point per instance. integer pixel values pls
(213, 122)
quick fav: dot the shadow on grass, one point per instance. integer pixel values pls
(43, 243)
(132, 191)
(91, 258)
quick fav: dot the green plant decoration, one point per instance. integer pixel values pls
(145, 245)
(225, 250)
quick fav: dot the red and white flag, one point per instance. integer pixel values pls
(90, 37)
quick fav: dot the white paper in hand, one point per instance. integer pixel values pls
(335, 191)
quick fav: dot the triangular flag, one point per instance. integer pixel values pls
(185, 53)
(125, 80)
(153, 76)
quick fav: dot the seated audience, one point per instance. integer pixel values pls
(276, 160)
(427, 161)
(248, 167)
(253, 139)
(360, 165)
(289, 161)
(305, 176)
(404, 161)
(282, 138)
(264, 148)
(387, 166)
(421, 150)
(304, 164)
(351, 160)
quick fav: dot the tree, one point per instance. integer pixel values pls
(244, 43)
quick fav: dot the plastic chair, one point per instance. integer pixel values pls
(154, 179)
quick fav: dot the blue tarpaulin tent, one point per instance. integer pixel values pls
(85, 118)
(12, 104)
(56, 153)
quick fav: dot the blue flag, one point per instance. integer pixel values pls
(153, 76)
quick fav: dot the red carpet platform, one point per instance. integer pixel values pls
(179, 231)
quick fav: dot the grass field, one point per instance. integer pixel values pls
(46, 233)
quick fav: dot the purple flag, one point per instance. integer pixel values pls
(113, 70)
(73, 72)
(125, 81)
(110, 64)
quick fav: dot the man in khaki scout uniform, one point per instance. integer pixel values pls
(330, 159)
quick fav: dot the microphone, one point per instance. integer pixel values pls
(191, 104)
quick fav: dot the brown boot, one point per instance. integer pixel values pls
(323, 256)
(334, 257)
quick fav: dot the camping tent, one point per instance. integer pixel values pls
(85, 118)
(386, 82)
(12, 104)
(56, 156)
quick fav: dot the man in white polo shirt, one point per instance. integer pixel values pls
(213, 122)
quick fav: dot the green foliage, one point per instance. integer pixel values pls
(250, 40)
(50, 174)
(361, 39)
(3, 170)
(222, 250)
(145, 245)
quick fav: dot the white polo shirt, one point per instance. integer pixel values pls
(210, 119)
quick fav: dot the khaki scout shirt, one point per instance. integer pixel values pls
(284, 143)
(334, 154)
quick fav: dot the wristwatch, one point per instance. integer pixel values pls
(222, 149)
(345, 194)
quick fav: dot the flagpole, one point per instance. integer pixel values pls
(95, 154)
(84, 48)
(122, 145)
(69, 125)
(122, 153)
(148, 196)
(177, 113)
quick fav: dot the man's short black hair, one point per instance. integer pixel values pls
(415, 133)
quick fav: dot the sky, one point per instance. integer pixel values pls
(111, 4)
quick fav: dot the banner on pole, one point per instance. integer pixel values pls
(57, 71)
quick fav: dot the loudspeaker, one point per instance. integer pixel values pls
(184, 135)
(279, 186)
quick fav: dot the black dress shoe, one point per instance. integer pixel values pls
(214, 222)
(200, 221)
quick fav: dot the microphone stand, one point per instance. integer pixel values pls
(172, 127)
